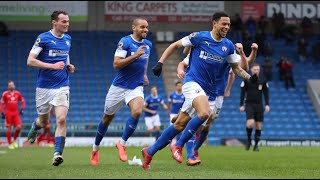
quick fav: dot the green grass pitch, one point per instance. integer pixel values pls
(217, 162)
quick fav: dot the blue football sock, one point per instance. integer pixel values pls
(59, 144)
(178, 136)
(189, 147)
(189, 131)
(130, 127)
(101, 132)
(166, 136)
(202, 137)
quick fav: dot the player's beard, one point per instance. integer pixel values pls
(11, 88)
(143, 35)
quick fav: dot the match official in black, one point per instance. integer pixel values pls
(252, 94)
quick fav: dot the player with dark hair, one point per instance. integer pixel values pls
(50, 53)
(210, 57)
(175, 102)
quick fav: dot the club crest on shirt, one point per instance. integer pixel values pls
(68, 43)
(197, 91)
(224, 49)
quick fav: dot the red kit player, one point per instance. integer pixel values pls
(10, 111)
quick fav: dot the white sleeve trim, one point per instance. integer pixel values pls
(186, 41)
(186, 59)
(36, 50)
(121, 53)
(233, 58)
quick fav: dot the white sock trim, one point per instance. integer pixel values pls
(122, 142)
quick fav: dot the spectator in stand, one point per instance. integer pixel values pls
(267, 68)
(302, 49)
(278, 22)
(263, 25)
(307, 27)
(282, 73)
(287, 67)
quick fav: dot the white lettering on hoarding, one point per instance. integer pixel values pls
(294, 10)
(196, 8)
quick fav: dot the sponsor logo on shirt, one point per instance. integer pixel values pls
(54, 53)
(212, 57)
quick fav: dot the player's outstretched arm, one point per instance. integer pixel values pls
(157, 69)
(231, 78)
(120, 62)
(34, 62)
(243, 58)
(169, 51)
(253, 54)
(148, 110)
(164, 105)
(242, 73)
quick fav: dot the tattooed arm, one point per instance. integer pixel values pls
(239, 71)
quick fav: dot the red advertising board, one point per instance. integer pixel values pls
(252, 8)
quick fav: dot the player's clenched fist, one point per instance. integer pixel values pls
(157, 69)
(239, 47)
(254, 46)
(180, 74)
(140, 51)
(71, 68)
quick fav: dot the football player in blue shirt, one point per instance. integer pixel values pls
(131, 61)
(175, 102)
(210, 57)
(50, 53)
(223, 90)
(152, 118)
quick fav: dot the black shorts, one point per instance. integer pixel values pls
(254, 111)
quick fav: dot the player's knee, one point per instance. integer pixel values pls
(135, 113)
(60, 121)
(18, 128)
(107, 119)
(179, 126)
(204, 114)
